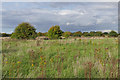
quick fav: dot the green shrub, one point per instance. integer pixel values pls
(54, 32)
(5, 35)
(67, 34)
(86, 34)
(24, 31)
(113, 34)
(77, 34)
(98, 33)
(40, 34)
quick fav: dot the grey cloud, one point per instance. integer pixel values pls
(81, 16)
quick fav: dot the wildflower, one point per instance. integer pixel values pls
(18, 62)
(6, 62)
(106, 49)
(45, 62)
(32, 65)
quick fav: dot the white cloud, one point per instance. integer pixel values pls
(2, 32)
(106, 30)
(68, 23)
(69, 12)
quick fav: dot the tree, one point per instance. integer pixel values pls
(105, 33)
(5, 35)
(77, 34)
(45, 34)
(54, 32)
(86, 34)
(67, 34)
(113, 34)
(24, 31)
(99, 33)
(40, 34)
(92, 33)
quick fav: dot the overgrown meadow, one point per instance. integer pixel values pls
(63, 58)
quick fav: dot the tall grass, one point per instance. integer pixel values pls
(71, 58)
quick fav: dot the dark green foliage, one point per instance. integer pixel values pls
(45, 34)
(105, 33)
(5, 35)
(24, 31)
(113, 34)
(77, 34)
(86, 34)
(92, 33)
(40, 34)
(54, 32)
(67, 34)
(98, 33)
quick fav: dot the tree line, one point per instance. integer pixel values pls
(27, 31)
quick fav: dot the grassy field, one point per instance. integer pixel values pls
(69, 58)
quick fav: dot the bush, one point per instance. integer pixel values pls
(113, 34)
(40, 34)
(66, 34)
(105, 33)
(5, 35)
(54, 32)
(45, 34)
(77, 34)
(92, 33)
(24, 31)
(86, 34)
(99, 33)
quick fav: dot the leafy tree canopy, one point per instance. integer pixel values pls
(54, 32)
(67, 34)
(113, 34)
(24, 31)
(77, 34)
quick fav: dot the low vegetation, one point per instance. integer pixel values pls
(68, 58)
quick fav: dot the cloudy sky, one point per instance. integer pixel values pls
(70, 16)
